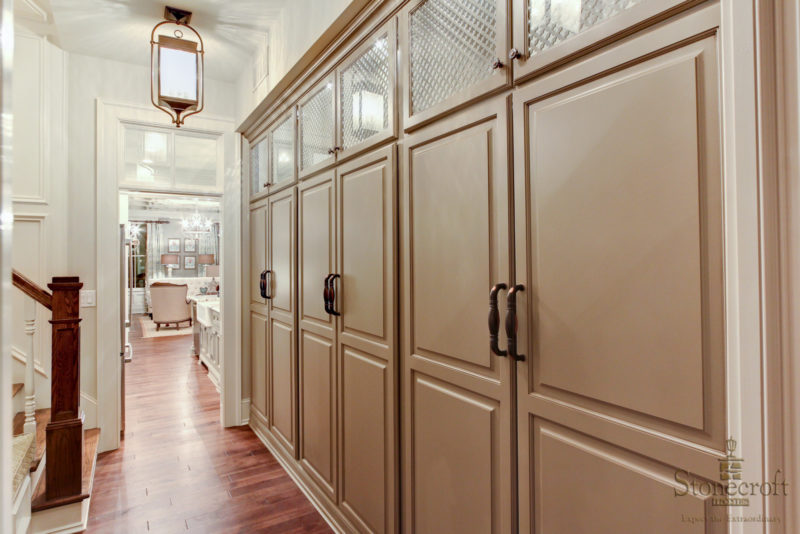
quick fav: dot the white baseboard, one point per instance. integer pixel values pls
(245, 412)
(89, 406)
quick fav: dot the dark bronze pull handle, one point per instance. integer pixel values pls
(333, 294)
(494, 319)
(262, 284)
(267, 285)
(326, 294)
(511, 322)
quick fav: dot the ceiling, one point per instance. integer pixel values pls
(232, 30)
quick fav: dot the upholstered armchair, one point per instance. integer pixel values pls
(170, 305)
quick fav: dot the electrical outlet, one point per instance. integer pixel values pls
(88, 298)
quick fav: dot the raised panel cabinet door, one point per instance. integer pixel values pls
(282, 358)
(258, 250)
(316, 128)
(258, 362)
(317, 345)
(367, 334)
(619, 245)
(457, 396)
(455, 53)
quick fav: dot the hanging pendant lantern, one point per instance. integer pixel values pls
(176, 67)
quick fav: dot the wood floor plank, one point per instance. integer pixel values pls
(178, 470)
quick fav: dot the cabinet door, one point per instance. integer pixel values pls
(258, 363)
(455, 52)
(258, 250)
(619, 236)
(547, 33)
(366, 86)
(457, 396)
(281, 304)
(259, 166)
(317, 339)
(367, 329)
(316, 131)
(282, 169)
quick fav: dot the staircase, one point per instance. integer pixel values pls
(53, 457)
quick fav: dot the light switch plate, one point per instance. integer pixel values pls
(88, 298)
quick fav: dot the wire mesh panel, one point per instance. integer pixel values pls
(553, 21)
(258, 166)
(364, 88)
(316, 127)
(283, 151)
(451, 47)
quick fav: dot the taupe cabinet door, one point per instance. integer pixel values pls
(347, 362)
(258, 308)
(282, 357)
(367, 340)
(317, 340)
(619, 247)
(258, 250)
(457, 394)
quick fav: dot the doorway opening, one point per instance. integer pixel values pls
(170, 269)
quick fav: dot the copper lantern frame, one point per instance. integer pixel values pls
(178, 109)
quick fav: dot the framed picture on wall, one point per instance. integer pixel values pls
(173, 244)
(189, 244)
(189, 262)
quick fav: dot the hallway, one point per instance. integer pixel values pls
(177, 470)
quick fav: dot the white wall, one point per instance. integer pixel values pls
(90, 78)
(39, 247)
(302, 23)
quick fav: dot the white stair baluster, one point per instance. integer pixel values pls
(30, 378)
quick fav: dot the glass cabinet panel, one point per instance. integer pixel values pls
(452, 46)
(316, 127)
(258, 166)
(365, 87)
(282, 151)
(553, 21)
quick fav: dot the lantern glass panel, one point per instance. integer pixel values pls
(177, 74)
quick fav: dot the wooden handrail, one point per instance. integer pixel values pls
(24, 284)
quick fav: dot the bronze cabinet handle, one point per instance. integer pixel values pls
(514, 54)
(332, 297)
(326, 294)
(511, 322)
(494, 319)
(497, 64)
(268, 284)
(262, 284)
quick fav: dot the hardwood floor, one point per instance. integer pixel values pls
(178, 470)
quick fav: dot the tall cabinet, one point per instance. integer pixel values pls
(558, 165)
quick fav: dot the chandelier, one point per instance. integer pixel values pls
(176, 67)
(197, 225)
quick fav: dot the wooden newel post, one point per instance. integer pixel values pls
(65, 429)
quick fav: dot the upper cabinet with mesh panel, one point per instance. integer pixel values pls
(365, 92)
(456, 53)
(317, 134)
(547, 33)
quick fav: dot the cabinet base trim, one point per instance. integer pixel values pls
(330, 513)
